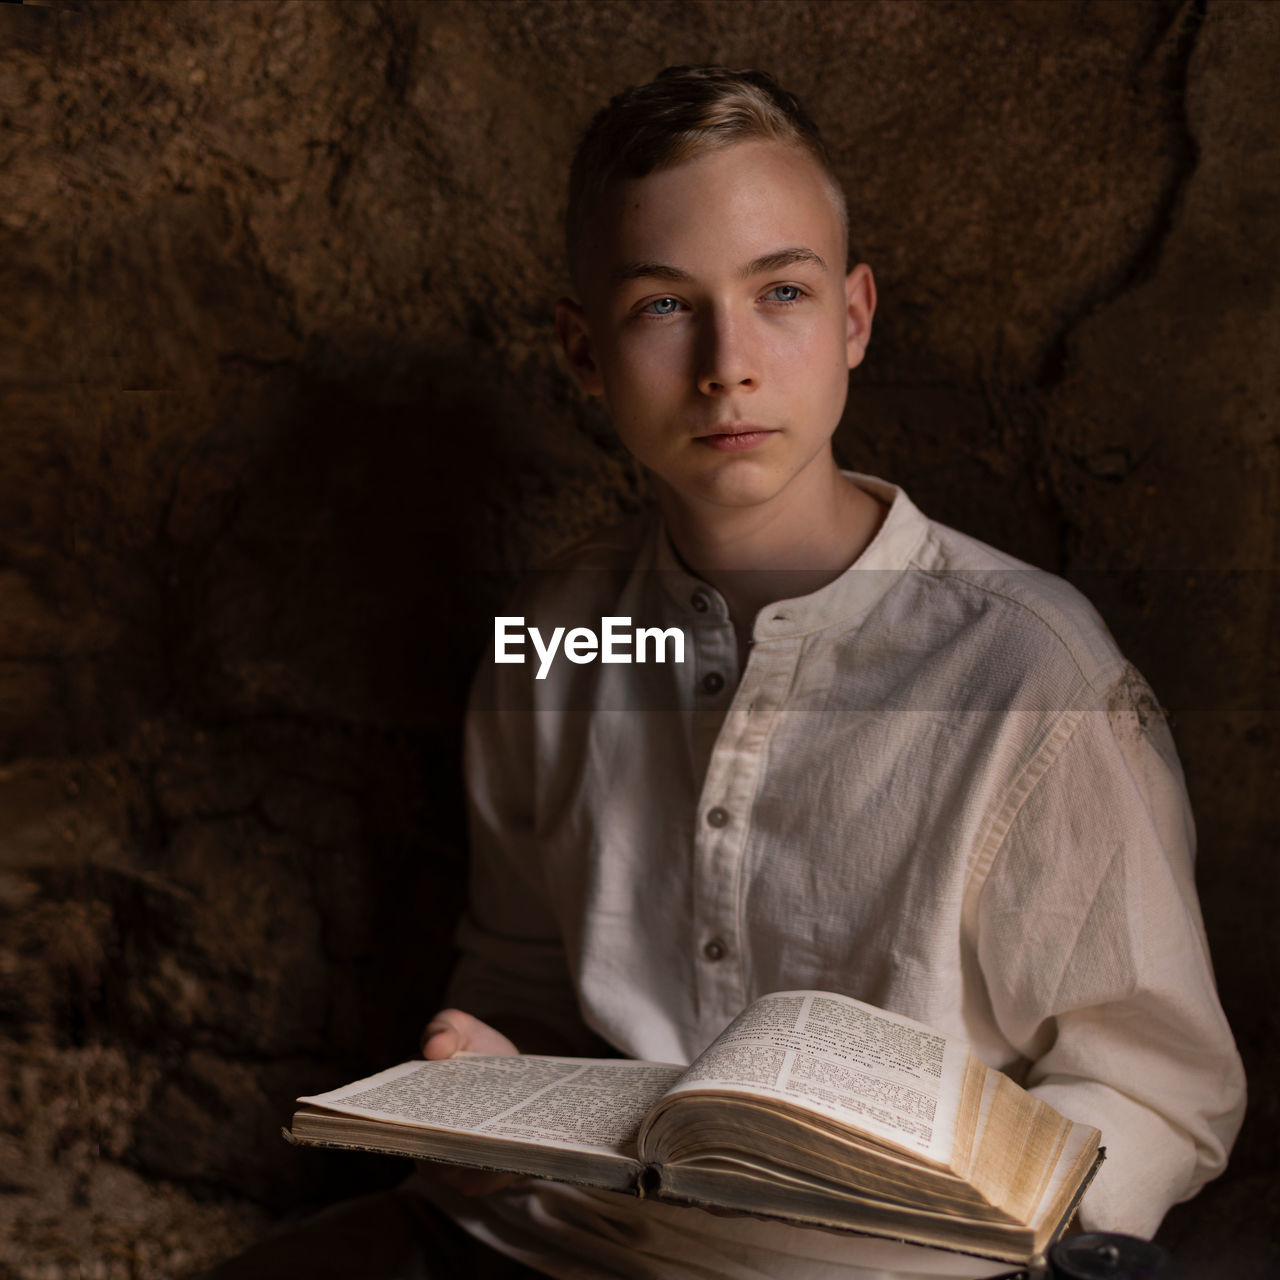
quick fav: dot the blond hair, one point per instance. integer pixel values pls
(682, 113)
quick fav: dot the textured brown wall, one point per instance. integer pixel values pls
(280, 416)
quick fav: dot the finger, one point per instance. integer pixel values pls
(440, 1040)
(456, 1028)
(452, 1031)
(440, 1044)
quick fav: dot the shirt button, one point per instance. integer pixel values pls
(713, 682)
(700, 601)
(718, 817)
(714, 950)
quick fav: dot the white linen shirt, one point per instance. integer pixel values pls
(936, 786)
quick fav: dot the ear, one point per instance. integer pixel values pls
(575, 341)
(860, 306)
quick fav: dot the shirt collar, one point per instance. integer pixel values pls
(844, 600)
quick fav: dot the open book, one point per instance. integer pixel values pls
(809, 1107)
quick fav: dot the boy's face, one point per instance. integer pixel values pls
(718, 324)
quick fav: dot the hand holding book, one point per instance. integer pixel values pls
(810, 1107)
(453, 1032)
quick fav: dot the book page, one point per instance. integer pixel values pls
(576, 1103)
(879, 1072)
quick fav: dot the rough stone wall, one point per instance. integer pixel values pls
(280, 418)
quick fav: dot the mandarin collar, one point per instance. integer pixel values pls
(845, 600)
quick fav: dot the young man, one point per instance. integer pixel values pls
(894, 763)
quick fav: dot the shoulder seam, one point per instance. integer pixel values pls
(1094, 683)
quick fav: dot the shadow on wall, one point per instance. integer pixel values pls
(234, 869)
(348, 582)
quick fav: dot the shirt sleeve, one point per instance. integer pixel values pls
(1093, 951)
(512, 959)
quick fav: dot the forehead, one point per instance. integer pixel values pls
(720, 210)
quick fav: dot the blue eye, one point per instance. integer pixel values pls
(659, 307)
(795, 290)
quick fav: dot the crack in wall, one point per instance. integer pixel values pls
(1144, 262)
(1184, 28)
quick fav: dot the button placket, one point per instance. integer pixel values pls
(713, 654)
(722, 830)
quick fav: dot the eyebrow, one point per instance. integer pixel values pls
(797, 255)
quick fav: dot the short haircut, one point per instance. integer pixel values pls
(682, 113)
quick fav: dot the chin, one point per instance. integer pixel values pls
(735, 487)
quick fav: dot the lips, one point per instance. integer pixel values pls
(736, 437)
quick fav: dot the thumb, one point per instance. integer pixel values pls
(441, 1039)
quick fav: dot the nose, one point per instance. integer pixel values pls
(726, 359)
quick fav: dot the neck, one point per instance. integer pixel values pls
(757, 555)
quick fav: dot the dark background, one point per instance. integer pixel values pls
(281, 418)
